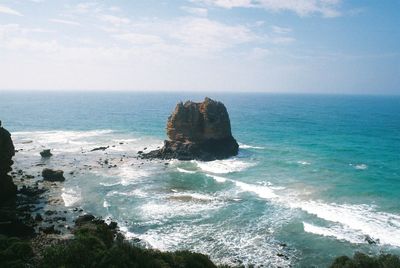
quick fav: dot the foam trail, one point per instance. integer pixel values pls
(262, 191)
(193, 196)
(356, 220)
(246, 146)
(361, 219)
(217, 178)
(223, 166)
(185, 171)
(337, 232)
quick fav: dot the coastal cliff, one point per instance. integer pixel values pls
(200, 131)
(7, 151)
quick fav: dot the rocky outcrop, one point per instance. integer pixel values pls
(199, 131)
(53, 175)
(46, 153)
(7, 151)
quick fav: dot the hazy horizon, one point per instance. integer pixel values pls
(219, 46)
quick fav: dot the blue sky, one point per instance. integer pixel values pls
(304, 46)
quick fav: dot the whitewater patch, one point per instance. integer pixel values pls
(355, 221)
(217, 178)
(59, 137)
(191, 197)
(71, 196)
(185, 171)
(162, 210)
(223, 166)
(262, 191)
(336, 231)
(361, 166)
(246, 146)
(247, 243)
(304, 163)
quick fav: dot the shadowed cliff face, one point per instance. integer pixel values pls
(7, 151)
(199, 131)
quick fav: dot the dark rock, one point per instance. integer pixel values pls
(370, 240)
(50, 212)
(49, 230)
(38, 217)
(200, 131)
(140, 152)
(46, 153)
(29, 191)
(113, 225)
(53, 175)
(84, 219)
(7, 151)
(103, 148)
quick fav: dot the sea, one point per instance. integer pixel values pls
(316, 177)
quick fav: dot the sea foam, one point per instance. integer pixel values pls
(246, 146)
(224, 166)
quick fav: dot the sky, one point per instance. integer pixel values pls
(301, 46)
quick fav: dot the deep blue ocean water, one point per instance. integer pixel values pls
(315, 176)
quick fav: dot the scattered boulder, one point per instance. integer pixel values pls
(49, 230)
(84, 219)
(46, 153)
(103, 148)
(370, 240)
(200, 131)
(53, 175)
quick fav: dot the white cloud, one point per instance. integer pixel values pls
(68, 22)
(10, 11)
(203, 12)
(282, 40)
(139, 39)
(327, 8)
(115, 9)
(281, 30)
(115, 20)
(207, 35)
(87, 7)
(227, 3)
(258, 53)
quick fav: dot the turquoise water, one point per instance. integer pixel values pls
(315, 175)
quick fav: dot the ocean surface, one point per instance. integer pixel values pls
(316, 176)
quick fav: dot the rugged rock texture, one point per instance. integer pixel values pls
(53, 175)
(46, 153)
(7, 151)
(199, 131)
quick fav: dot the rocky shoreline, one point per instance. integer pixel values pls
(36, 223)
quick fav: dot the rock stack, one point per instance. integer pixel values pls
(200, 131)
(7, 151)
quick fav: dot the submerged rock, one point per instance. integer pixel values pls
(53, 175)
(46, 153)
(103, 148)
(199, 131)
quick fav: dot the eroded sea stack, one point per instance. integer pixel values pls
(198, 131)
(7, 151)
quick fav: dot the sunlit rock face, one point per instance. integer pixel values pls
(199, 131)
